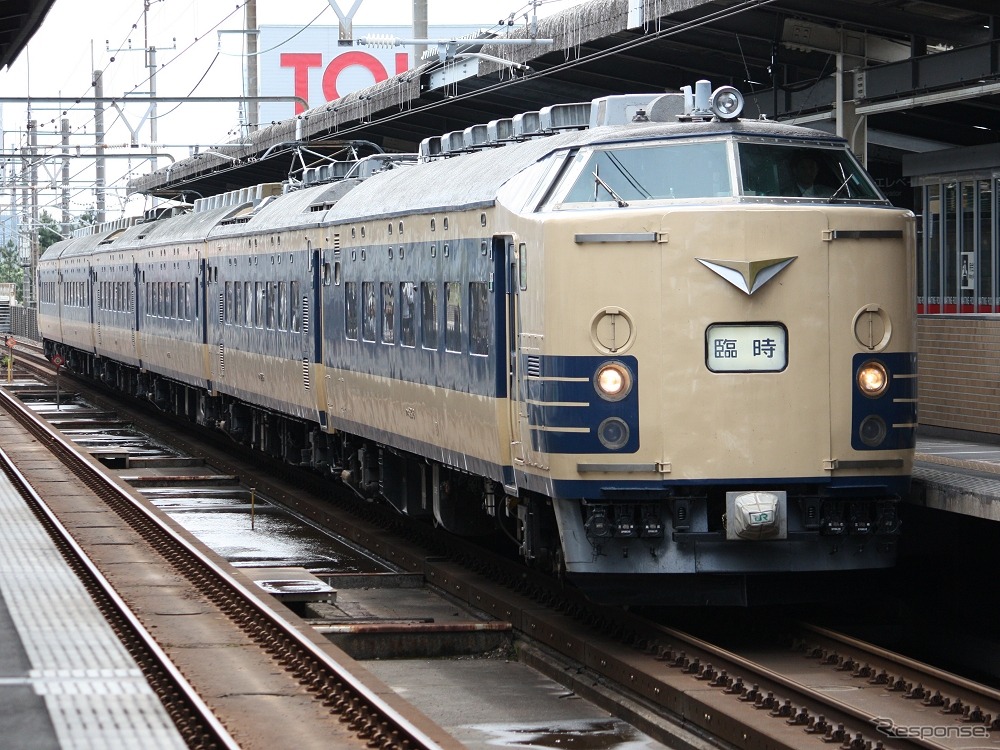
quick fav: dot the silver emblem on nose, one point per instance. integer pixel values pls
(747, 275)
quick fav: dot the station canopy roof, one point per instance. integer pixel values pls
(924, 74)
(19, 20)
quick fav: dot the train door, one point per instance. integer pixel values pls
(310, 320)
(201, 299)
(517, 281)
(134, 307)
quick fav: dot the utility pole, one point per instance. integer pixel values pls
(29, 277)
(253, 107)
(419, 30)
(66, 221)
(151, 66)
(99, 163)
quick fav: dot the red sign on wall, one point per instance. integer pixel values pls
(314, 65)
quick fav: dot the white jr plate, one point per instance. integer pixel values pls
(746, 347)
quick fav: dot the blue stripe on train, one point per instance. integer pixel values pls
(897, 406)
(565, 410)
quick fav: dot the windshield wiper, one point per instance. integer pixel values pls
(628, 175)
(617, 198)
(847, 180)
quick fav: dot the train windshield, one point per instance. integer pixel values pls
(640, 173)
(626, 175)
(779, 170)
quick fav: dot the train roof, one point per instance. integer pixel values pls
(467, 179)
(472, 179)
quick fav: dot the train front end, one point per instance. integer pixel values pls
(724, 385)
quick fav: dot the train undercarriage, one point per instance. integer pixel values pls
(458, 502)
(472, 506)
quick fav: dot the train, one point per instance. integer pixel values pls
(621, 334)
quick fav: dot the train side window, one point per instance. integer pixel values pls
(453, 316)
(270, 302)
(522, 266)
(370, 304)
(229, 303)
(238, 303)
(388, 312)
(327, 275)
(429, 314)
(259, 303)
(407, 309)
(293, 301)
(282, 306)
(350, 310)
(479, 318)
(248, 299)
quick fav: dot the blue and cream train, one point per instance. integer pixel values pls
(629, 339)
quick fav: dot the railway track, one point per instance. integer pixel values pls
(314, 667)
(196, 723)
(825, 691)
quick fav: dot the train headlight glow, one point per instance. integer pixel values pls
(873, 379)
(613, 381)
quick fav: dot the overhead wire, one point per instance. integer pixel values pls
(680, 27)
(282, 43)
(673, 30)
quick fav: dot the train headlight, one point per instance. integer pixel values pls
(873, 379)
(613, 381)
(613, 433)
(872, 430)
(726, 103)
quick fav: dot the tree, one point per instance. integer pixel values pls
(10, 266)
(48, 231)
(87, 218)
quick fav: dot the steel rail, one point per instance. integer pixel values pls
(817, 696)
(623, 666)
(318, 671)
(194, 719)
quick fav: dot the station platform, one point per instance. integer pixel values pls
(66, 681)
(957, 475)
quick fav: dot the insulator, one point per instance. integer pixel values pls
(379, 40)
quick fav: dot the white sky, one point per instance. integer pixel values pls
(78, 37)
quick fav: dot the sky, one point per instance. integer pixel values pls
(199, 53)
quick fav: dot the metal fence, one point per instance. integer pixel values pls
(24, 323)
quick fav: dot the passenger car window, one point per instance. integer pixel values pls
(479, 318)
(407, 311)
(388, 313)
(429, 314)
(453, 316)
(370, 306)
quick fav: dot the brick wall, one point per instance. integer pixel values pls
(958, 364)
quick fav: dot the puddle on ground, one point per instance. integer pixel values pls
(264, 538)
(598, 734)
